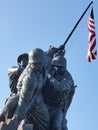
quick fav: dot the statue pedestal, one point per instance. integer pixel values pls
(22, 126)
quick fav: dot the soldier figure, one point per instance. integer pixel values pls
(56, 93)
(29, 90)
(14, 72)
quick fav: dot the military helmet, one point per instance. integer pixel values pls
(37, 56)
(20, 57)
(59, 61)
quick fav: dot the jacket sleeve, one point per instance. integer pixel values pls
(13, 74)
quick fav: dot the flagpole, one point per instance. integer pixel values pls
(77, 23)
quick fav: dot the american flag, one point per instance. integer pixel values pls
(92, 52)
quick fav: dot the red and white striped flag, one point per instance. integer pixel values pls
(92, 52)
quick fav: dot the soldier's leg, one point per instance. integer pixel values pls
(38, 115)
(64, 124)
(56, 117)
(9, 107)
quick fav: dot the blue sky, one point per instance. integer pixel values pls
(28, 24)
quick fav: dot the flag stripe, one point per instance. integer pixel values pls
(91, 38)
(93, 46)
(92, 52)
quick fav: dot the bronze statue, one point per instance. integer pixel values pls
(42, 93)
(29, 91)
(14, 72)
(58, 92)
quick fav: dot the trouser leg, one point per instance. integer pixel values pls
(56, 117)
(64, 124)
(39, 115)
(8, 110)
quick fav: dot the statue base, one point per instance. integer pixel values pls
(23, 126)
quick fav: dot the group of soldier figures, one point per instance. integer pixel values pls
(41, 90)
